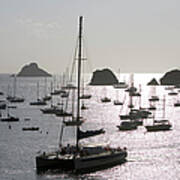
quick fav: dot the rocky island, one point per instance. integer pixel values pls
(153, 82)
(32, 70)
(103, 77)
(171, 78)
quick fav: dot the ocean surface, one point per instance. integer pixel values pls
(154, 155)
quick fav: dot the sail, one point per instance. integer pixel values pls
(86, 134)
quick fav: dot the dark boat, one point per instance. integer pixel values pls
(177, 104)
(2, 105)
(117, 102)
(80, 159)
(65, 95)
(154, 98)
(47, 98)
(51, 110)
(30, 128)
(39, 102)
(172, 93)
(152, 108)
(160, 125)
(85, 96)
(9, 119)
(14, 98)
(127, 126)
(105, 100)
(83, 107)
(62, 113)
(69, 86)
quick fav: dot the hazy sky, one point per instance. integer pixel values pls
(133, 35)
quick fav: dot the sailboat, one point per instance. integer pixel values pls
(39, 101)
(47, 97)
(84, 95)
(117, 101)
(120, 85)
(160, 125)
(9, 118)
(78, 158)
(14, 98)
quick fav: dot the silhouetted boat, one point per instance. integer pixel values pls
(9, 119)
(46, 97)
(172, 93)
(3, 105)
(39, 102)
(117, 102)
(69, 86)
(154, 98)
(78, 158)
(160, 125)
(83, 107)
(127, 125)
(51, 110)
(65, 95)
(85, 96)
(120, 85)
(152, 108)
(14, 98)
(62, 113)
(105, 100)
(177, 103)
(30, 128)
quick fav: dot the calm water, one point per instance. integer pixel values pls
(150, 155)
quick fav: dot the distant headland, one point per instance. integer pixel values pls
(153, 82)
(32, 70)
(103, 77)
(171, 78)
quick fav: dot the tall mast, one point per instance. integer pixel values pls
(79, 75)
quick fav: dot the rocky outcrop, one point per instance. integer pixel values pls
(153, 82)
(32, 70)
(103, 77)
(171, 78)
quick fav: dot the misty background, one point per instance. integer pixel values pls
(135, 36)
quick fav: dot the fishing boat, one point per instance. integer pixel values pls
(80, 159)
(159, 125)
